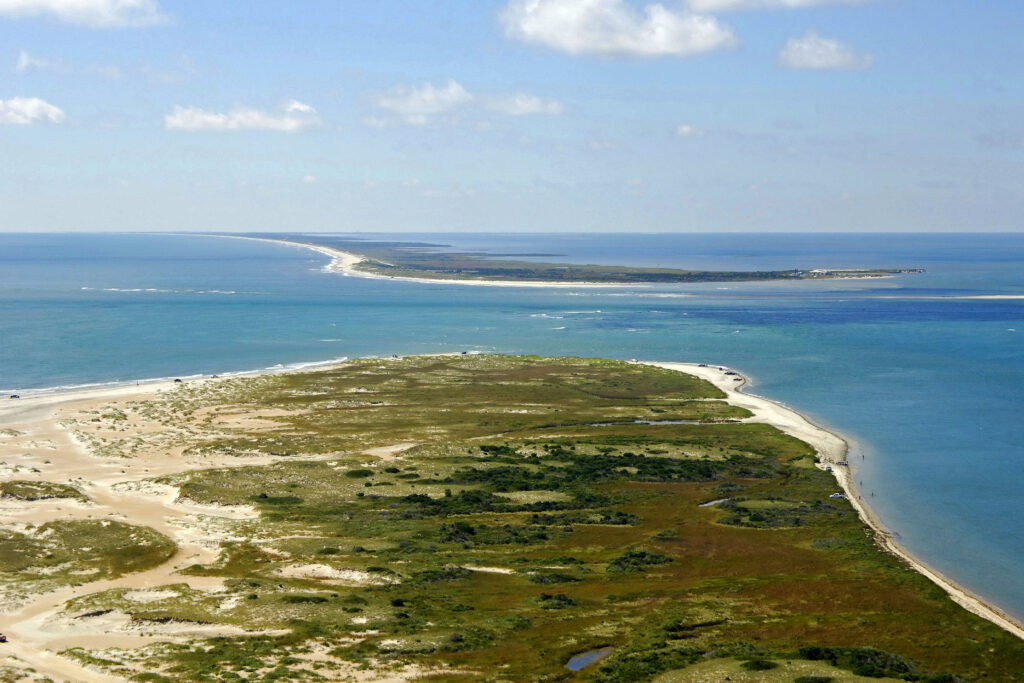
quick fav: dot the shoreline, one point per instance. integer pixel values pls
(832, 449)
(29, 393)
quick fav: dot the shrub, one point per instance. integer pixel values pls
(556, 601)
(553, 577)
(303, 599)
(862, 661)
(445, 574)
(637, 561)
(759, 665)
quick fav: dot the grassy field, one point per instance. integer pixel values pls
(523, 518)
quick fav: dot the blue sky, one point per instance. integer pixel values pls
(512, 115)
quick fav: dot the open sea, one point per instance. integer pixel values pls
(923, 379)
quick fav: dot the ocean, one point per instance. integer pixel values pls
(921, 376)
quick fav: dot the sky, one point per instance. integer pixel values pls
(512, 115)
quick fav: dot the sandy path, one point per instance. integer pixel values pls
(33, 640)
(389, 452)
(832, 449)
(40, 449)
(42, 406)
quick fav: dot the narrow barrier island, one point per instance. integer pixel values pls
(431, 262)
(456, 517)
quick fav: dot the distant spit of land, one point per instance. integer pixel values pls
(423, 261)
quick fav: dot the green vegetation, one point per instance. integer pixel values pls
(13, 674)
(72, 550)
(39, 490)
(516, 534)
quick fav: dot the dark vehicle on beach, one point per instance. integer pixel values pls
(15, 396)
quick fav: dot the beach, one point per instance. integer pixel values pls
(36, 429)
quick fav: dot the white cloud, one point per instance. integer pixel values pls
(94, 13)
(688, 131)
(523, 104)
(812, 51)
(417, 105)
(295, 116)
(26, 62)
(296, 107)
(730, 5)
(309, 179)
(614, 27)
(25, 110)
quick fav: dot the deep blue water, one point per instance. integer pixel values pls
(928, 389)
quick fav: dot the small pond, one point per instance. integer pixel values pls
(585, 659)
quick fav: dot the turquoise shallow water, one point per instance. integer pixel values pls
(926, 385)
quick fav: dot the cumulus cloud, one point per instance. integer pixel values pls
(812, 51)
(296, 107)
(294, 116)
(25, 110)
(732, 5)
(614, 27)
(523, 104)
(688, 131)
(93, 13)
(418, 106)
